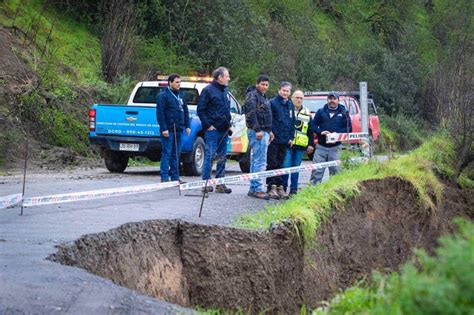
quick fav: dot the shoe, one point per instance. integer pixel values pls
(273, 192)
(281, 192)
(293, 191)
(207, 189)
(258, 195)
(165, 180)
(222, 189)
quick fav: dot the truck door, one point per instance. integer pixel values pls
(239, 141)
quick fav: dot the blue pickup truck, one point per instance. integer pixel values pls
(123, 131)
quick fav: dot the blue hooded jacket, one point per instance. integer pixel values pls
(283, 124)
(322, 121)
(213, 107)
(171, 109)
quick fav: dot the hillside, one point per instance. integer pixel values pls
(56, 57)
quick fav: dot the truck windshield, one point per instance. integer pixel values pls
(314, 104)
(148, 94)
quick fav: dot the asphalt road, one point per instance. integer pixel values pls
(31, 284)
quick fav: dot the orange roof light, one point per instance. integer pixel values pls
(186, 78)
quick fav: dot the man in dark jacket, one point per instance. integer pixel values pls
(214, 111)
(173, 117)
(283, 128)
(258, 116)
(333, 117)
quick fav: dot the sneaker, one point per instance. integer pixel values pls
(165, 180)
(207, 189)
(281, 192)
(293, 191)
(258, 195)
(273, 192)
(222, 189)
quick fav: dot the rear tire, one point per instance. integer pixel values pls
(115, 162)
(244, 161)
(194, 163)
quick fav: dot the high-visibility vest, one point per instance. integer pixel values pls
(303, 118)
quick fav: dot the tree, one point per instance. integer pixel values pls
(117, 40)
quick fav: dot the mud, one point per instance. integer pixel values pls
(220, 267)
(197, 265)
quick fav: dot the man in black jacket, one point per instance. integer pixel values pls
(214, 111)
(258, 116)
(173, 117)
(283, 127)
(333, 117)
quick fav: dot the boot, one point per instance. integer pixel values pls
(223, 189)
(207, 189)
(273, 192)
(281, 192)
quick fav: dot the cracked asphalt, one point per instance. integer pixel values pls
(29, 284)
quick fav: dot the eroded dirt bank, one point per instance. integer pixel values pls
(191, 264)
(226, 268)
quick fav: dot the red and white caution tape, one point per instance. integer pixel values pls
(96, 194)
(337, 137)
(10, 200)
(258, 175)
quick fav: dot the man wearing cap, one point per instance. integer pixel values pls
(332, 117)
(173, 117)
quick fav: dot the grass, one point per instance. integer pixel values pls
(315, 203)
(57, 38)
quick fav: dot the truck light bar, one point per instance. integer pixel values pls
(186, 78)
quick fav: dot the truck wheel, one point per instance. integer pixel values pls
(244, 161)
(115, 162)
(194, 163)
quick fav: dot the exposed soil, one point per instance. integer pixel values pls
(191, 264)
(226, 268)
(378, 230)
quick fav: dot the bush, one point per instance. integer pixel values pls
(440, 284)
(403, 133)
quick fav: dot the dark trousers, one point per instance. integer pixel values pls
(275, 158)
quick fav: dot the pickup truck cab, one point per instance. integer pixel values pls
(350, 99)
(122, 131)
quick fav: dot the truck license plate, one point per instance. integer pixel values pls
(129, 147)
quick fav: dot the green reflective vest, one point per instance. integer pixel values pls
(303, 117)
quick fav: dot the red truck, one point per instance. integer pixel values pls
(350, 99)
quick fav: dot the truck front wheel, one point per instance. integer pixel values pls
(244, 161)
(115, 162)
(193, 164)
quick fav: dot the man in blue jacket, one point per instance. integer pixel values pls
(173, 117)
(214, 111)
(283, 128)
(333, 117)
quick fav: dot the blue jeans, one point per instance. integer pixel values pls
(324, 154)
(216, 149)
(170, 157)
(258, 158)
(293, 157)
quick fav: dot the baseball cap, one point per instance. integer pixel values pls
(333, 94)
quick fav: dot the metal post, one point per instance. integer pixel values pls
(364, 107)
(24, 173)
(177, 156)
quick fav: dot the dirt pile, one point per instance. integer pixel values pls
(191, 264)
(226, 268)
